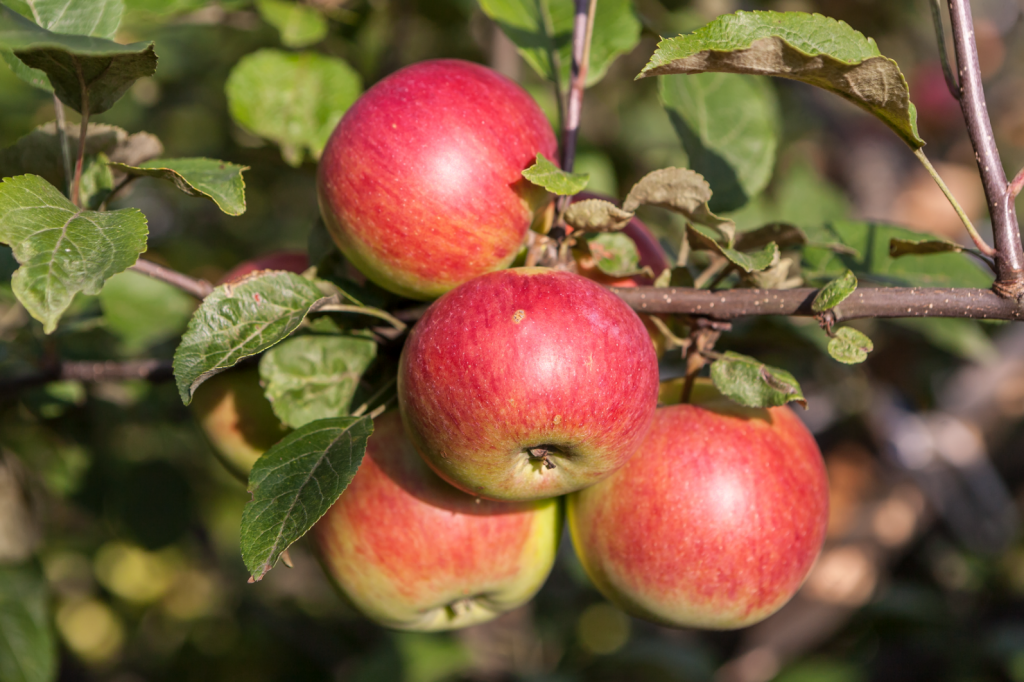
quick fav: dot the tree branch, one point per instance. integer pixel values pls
(199, 288)
(1006, 233)
(981, 304)
(91, 372)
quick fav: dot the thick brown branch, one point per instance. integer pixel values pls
(864, 302)
(1006, 233)
(199, 288)
(91, 372)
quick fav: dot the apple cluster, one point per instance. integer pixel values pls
(526, 391)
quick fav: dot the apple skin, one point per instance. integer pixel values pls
(715, 523)
(413, 553)
(521, 359)
(421, 185)
(230, 407)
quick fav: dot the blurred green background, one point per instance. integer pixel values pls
(134, 523)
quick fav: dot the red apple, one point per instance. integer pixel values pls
(411, 552)
(230, 407)
(527, 383)
(714, 523)
(421, 183)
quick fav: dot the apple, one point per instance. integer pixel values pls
(421, 185)
(714, 523)
(527, 383)
(230, 407)
(413, 553)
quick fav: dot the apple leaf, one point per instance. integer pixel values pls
(729, 125)
(681, 190)
(144, 311)
(555, 180)
(850, 346)
(616, 255)
(835, 292)
(38, 152)
(28, 650)
(806, 47)
(785, 235)
(922, 247)
(767, 256)
(238, 320)
(62, 249)
(97, 181)
(299, 25)
(293, 99)
(869, 258)
(295, 482)
(542, 30)
(314, 377)
(97, 18)
(749, 382)
(596, 215)
(219, 181)
(76, 65)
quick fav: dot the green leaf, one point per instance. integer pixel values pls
(871, 260)
(922, 247)
(295, 482)
(60, 464)
(754, 384)
(785, 235)
(144, 311)
(768, 255)
(835, 292)
(314, 377)
(28, 651)
(96, 18)
(38, 152)
(850, 346)
(542, 30)
(75, 64)
(62, 249)
(299, 25)
(729, 126)
(555, 180)
(680, 190)
(596, 215)
(616, 254)
(238, 320)
(97, 181)
(217, 180)
(292, 99)
(806, 47)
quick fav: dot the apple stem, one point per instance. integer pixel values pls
(540, 454)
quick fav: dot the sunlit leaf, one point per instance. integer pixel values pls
(835, 292)
(217, 180)
(554, 179)
(754, 384)
(299, 25)
(807, 47)
(295, 482)
(850, 346)
(63, 250)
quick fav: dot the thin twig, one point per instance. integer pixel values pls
(199, 288)
(76, 185)
(940, 34)
(62, 139)
(1018, 184)
(882, 302)
(333, 306)
(1006, 233)
(91, 372)
(975, 237)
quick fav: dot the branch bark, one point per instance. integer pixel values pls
(982, 304)
(1006, 233)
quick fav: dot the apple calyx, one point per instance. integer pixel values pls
(540, 454)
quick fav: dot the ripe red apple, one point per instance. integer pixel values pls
(527, 383)
(714, 523)
(230, 407)
(421, 183)
(411, 552)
